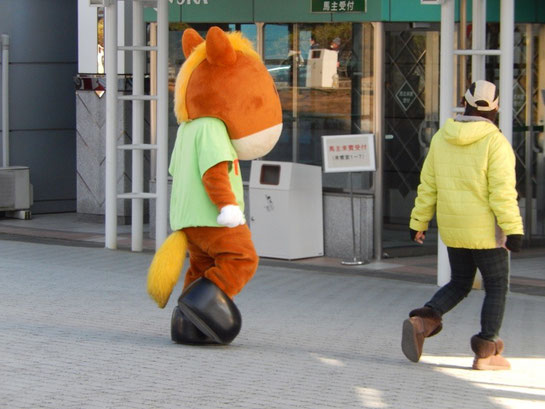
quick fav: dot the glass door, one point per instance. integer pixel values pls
(411, 113)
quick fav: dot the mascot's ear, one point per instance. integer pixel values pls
(190, 40)
(219, 50)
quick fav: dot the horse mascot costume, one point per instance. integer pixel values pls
(228, 109)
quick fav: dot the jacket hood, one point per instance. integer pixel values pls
(465, 133)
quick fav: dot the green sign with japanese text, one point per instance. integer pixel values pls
(338, 6)
(405, 96)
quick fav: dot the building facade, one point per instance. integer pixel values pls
(42, 114)
(384, 81)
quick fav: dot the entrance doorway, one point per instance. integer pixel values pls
(411, 117)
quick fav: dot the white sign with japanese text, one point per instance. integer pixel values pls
(348, 153)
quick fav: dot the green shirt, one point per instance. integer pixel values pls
(200, 144)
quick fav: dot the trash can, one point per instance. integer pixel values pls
(321, 68)
(286, 215)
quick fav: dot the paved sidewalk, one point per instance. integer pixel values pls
(527, 271)
(77, 330)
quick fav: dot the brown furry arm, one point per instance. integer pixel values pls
(217, 185)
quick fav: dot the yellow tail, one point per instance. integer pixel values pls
(166, 267)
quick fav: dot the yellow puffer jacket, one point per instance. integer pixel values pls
(468, 178)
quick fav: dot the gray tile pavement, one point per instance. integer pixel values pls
(77, 330)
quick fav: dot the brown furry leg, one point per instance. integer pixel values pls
(199, 261)
(234, 260)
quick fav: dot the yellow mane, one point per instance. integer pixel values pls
(198, 55)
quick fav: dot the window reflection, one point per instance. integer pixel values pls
(323, 73)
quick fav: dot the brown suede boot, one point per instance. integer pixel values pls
(488, 354)
(422, 323)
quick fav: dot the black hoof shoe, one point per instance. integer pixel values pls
(211, 310)
(182, 331)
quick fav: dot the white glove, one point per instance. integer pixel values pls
(231, 216)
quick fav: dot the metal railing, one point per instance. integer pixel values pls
(5, 100)
(137, 195)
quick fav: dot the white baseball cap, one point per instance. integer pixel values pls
(482, 95)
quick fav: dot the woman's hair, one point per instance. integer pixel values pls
(473, 111)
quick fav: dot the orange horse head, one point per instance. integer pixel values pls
(223, 77)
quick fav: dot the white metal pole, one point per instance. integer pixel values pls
(5, 100)
(87, 38)
(507, 42)
(479, 40)
(162, 123)
(445, 109)
(110, 23)
(153, 102)
(138, 71)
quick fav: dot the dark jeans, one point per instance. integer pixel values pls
(494, 267)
